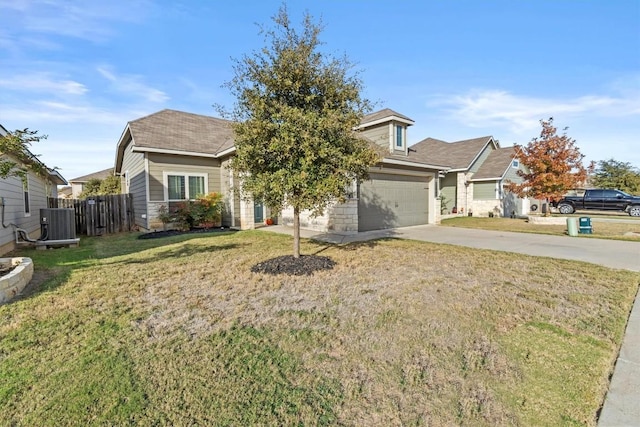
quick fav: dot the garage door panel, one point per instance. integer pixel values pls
(388, 201)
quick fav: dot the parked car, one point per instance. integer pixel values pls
(599, 199)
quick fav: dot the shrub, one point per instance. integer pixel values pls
(205, 211)
(165, 216)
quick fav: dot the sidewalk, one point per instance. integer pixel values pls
(622, 403)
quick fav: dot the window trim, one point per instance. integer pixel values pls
(400, 132)
(515, 163)
(26, 195)
(186, 175)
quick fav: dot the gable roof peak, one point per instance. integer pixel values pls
(384, 115)
(94, 175)
(496, 164)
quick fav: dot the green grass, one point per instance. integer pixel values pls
(601, 229)
(178, 331)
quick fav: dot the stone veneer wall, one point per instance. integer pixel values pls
(307, 221)
(340, 217)
(343, 217)
(437, 206)
(153, 220)
(464, 197)
(247, 218)
(483, 207)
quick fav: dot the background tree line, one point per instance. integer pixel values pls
(616, 174)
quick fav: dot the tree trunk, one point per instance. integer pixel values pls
(296, 233)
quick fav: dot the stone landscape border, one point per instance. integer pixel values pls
(14, 282)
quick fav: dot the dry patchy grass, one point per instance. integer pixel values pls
(181, 332)
(601, 229)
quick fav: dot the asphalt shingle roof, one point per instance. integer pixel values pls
(456, 155)
(378, 115)
(496, 164)
(95, 175)
(180, 131)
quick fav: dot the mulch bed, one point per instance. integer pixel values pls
(168, 233)
(306, 265)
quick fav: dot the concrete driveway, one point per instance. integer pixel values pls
(609, 253)
(621, 407)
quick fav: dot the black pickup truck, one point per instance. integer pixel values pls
(597, 199)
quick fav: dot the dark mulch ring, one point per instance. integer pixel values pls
(168, 233)
(306, 265)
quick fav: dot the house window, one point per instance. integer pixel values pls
(25, 191)
(185, 186)
(399, 137)
(515, 164)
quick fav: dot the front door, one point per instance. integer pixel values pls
(258, 212)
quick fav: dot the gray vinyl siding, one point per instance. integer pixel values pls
(378, 134)
(448, 189)
(133, 164)
(484, 190)
(480, 160)
(512, 175)
(160, 163)
(12, 193)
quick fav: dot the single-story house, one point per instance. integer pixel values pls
(21, 201)
(77, 184)
(171, 156)
(65, 192)
(479, 170)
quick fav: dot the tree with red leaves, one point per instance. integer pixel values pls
(553, 165)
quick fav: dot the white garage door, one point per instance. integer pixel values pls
(387, 201)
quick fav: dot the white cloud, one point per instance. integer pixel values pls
(47, 113)
(604, 125)
(519, 114)
(74, 18)
(132, 85)
(42, 82)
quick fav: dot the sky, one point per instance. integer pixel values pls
(78, 71)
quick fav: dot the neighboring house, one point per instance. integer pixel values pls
(21, 201)
(171, 156)
(489, 193)
(65, 192)
(479, 171)
(77, 184)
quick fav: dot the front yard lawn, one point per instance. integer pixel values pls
(179, 331)
(601, 229)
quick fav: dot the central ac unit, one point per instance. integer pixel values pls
(57, 224)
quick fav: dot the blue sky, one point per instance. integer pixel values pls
(78, 71)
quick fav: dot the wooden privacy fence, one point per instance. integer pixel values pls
(98, 215)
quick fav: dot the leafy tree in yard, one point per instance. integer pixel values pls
(16, 158)
(615, 174)
(294, 117)
(98, 187)
(553, 165)
(110, 185)
(91, 188)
